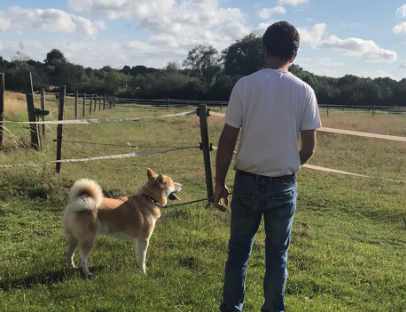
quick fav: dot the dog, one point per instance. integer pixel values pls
(88, 213)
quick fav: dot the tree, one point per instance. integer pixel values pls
(55, 57)
(204, 62)
(244, 57)
(172, 67)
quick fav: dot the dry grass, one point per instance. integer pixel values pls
(14, 103)
(381, 123)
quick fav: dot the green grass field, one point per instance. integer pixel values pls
(349, 243)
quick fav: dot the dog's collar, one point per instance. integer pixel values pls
(153, 200)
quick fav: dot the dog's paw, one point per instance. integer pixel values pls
(70, 264)
(87, 275)
(144, 270)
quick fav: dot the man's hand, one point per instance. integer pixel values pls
(308, 145)
(224, 155)
(221, 193)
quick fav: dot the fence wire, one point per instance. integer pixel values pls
(103, 157)
(98, 120)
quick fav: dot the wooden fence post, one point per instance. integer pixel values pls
(2, 91)
(43, 115)
(206, 147)
(35, 140)
(76, 103)
(94, 103)
(104, 102)
(59, 129)
(84, 106)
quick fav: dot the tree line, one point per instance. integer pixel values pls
(205, 74)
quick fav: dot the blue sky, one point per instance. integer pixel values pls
(366, 38)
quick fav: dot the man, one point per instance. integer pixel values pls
(271, 108)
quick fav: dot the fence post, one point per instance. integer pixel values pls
(84, 106)
(94, 103)
(42, 115)
(2, 91)
(90, 104)
(76, 103)
(206, 147)
(35, 140)
(59, 129)
(104, 102)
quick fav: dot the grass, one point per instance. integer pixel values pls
(349, 240)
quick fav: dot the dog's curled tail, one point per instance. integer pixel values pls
(85, 194)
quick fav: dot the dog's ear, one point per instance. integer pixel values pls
(160, 179)
(152, 175)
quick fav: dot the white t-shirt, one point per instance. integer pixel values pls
(271, 107)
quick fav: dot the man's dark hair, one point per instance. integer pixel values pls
(281, 40)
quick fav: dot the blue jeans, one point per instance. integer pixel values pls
(255, 196)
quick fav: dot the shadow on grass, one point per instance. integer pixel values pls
(44, 278)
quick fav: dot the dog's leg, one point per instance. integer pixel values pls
(85, 247)
(70, 252)
(142, 247)
(137, 258)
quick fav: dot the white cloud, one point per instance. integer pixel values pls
(400, 28)
(292, 2)
(317, 36)
(48, 20)
(267, 13)
(360, 47)
(4, 23)
(94, 53)
(314, 35)
(175, 23)
(401, 11)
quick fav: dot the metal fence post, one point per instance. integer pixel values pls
(59, 129)
(35, 140)
(42, 115)
(2, 91)
(206, 147)
(84, 106)
(76, 103)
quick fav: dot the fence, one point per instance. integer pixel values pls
(36, 116)
(102, 103)
(105, 102)
(329, 108)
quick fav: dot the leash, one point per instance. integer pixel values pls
(187, 203)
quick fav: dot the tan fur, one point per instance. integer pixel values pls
(134, 217)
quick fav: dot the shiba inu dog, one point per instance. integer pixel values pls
(89, 213)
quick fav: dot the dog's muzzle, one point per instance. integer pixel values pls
(173, 196)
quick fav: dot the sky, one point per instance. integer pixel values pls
(360, 37)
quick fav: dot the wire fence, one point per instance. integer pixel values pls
(99, 120)
(102, 157)
(204, 145)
